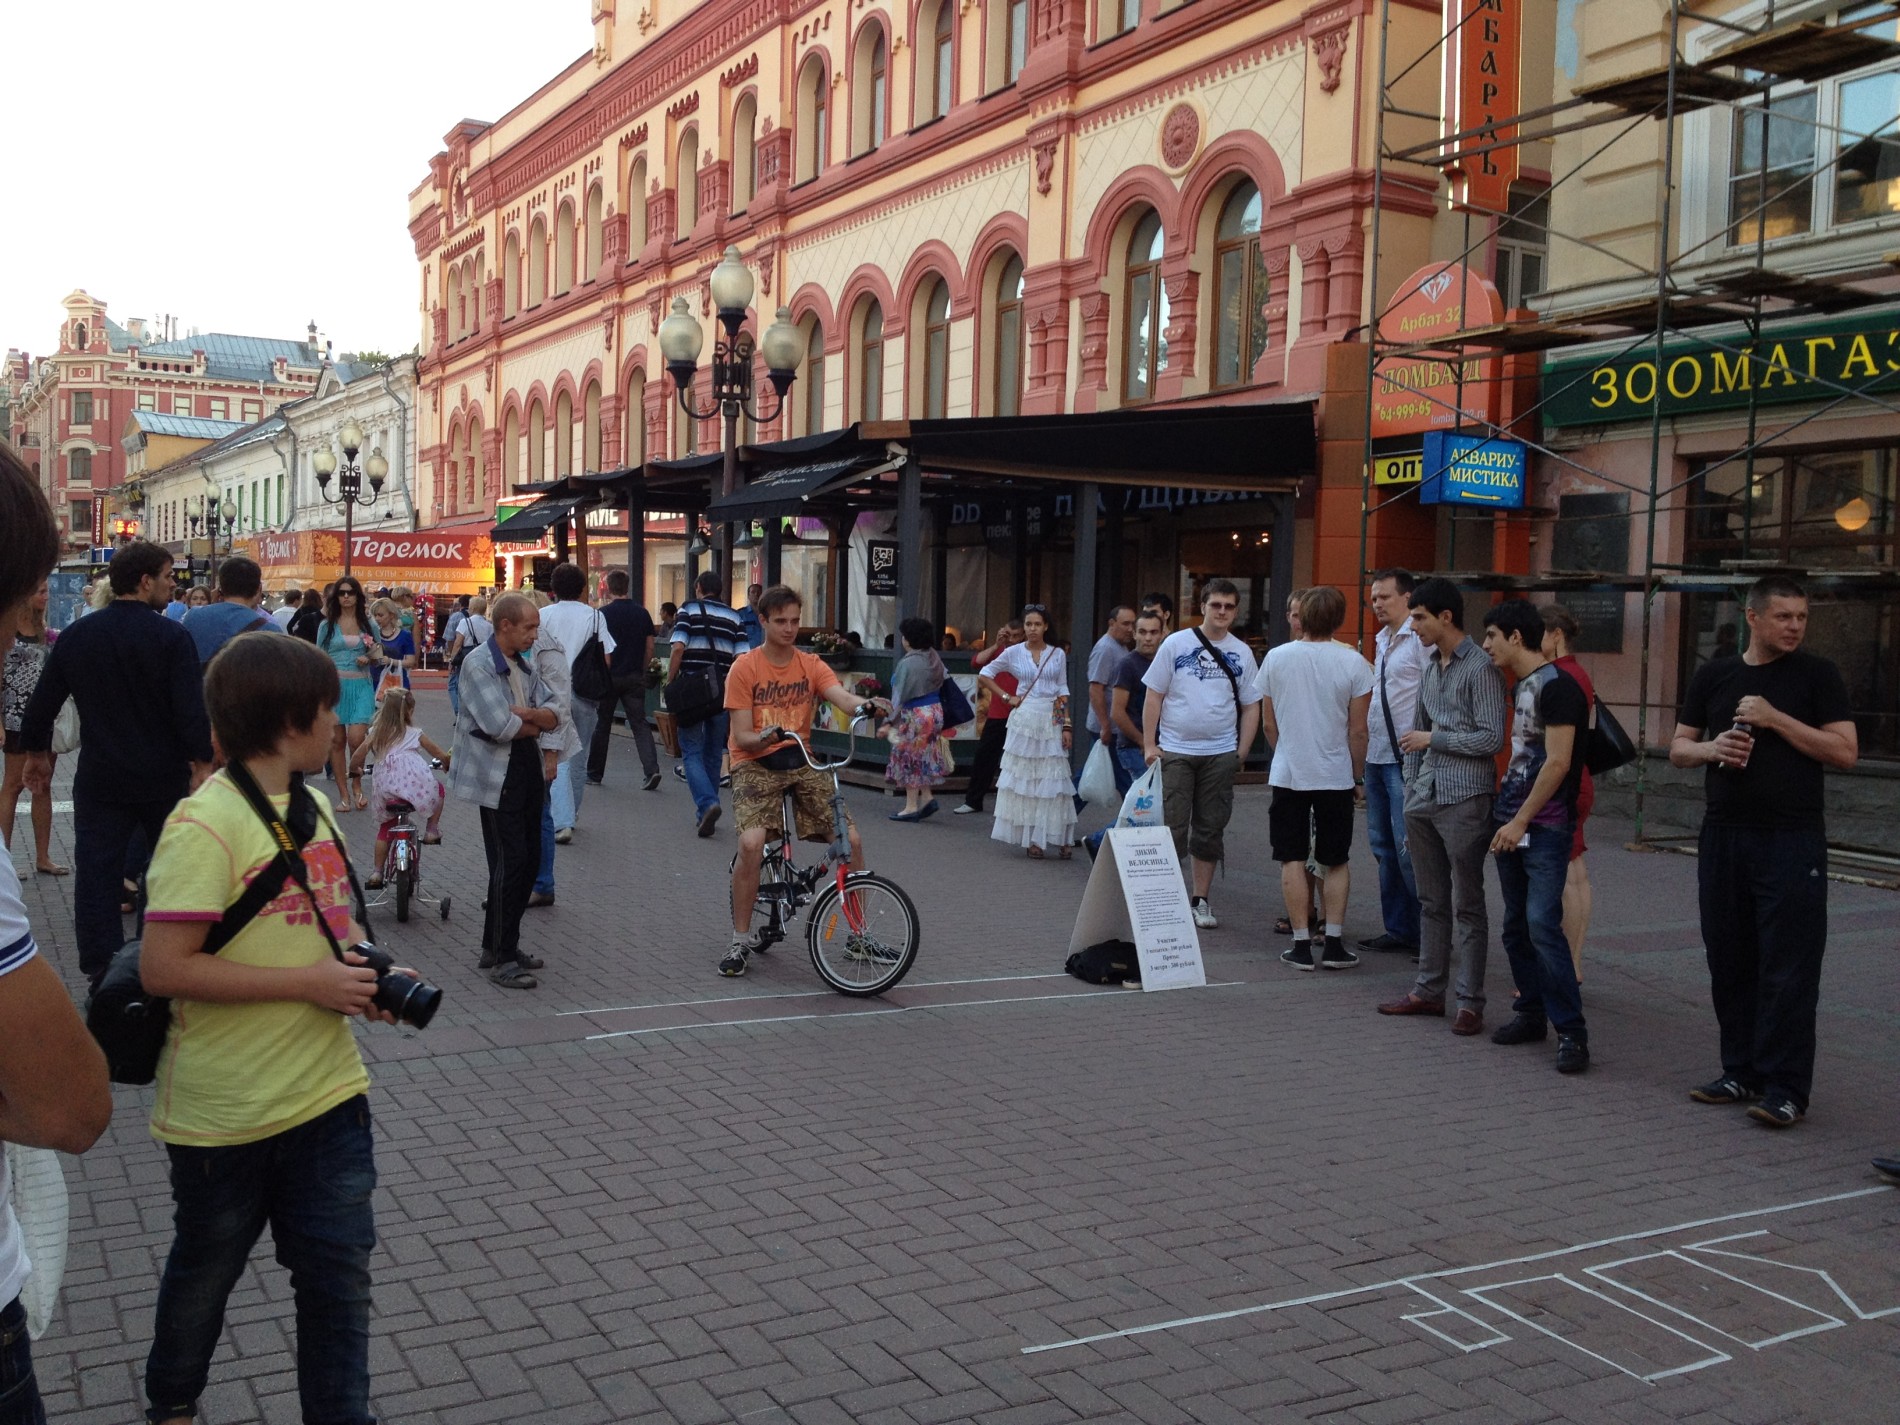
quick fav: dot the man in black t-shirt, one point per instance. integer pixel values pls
(1766, 724)
(633, 634)
(1535, 812)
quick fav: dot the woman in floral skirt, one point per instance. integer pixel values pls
(919, 761)
(1035, 791)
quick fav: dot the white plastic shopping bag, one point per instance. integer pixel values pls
(1097, 783)
(1142, 805)
(38, 1198)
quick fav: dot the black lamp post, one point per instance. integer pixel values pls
(680, 343)
(350, 487)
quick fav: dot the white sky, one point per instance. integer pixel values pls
(244, 167)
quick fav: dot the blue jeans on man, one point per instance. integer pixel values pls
(1385, 829)
(1532, 880)
(570, 779)
(701, 747)
(544, 877)
(312, 1185)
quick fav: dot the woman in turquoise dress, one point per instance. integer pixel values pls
(345, 635)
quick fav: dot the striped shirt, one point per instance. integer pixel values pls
(1461, 704)
(708, 632)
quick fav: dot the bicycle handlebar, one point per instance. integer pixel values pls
(804, 747)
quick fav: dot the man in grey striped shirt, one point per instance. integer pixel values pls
(1450, 776)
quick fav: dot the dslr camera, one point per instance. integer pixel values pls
(411, 1000)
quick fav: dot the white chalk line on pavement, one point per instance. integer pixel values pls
(801, 994)
(892, 1009)
(1399, 1283)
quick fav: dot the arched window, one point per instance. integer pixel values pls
(636, 208)
(79, 335)
(564, 249)
(537, 443)
(870, 89)
(511, 451)
(814, 133)
(474, 282)
(811, 381)
(1005, 42)
(933, 83)
(590, 429)
(745, 164)
(596, 214)
(1145, 312)
(686, 181)
(537, 261)
(633, 419)
(936, 372)
(1007, 364)
(458, 307)
(871, 361)
(511, 275)
(1240, 288)
(563, 435)
(452, 482)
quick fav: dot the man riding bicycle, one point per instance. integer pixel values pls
(777, 686)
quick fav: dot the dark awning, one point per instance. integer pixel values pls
(786, 490)
(531, 525)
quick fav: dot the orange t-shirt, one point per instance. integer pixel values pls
(779, 696)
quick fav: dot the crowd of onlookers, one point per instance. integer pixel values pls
(202, 722)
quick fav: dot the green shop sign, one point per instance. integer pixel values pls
(1805, 361)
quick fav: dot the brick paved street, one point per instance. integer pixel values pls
(645, 1193)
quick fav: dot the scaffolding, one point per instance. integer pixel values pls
(1726, 307)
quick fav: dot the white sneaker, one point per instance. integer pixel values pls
(1203, 914)
(964, 809)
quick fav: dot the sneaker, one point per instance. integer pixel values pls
(511, 976)
(1300, 957)
(1573, 1055)
(1523, 1029)
(652, 783)
(964, 809)
(732, 964)
(1336, 956)
(679, 770)
(1888, 1168)
(1727, 1089)
(1203, 914)
(725, 779)
(563, 835)
(708, 820)
(538, 900)
(1777, 1111)
(596, 781)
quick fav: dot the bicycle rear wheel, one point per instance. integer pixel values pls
(866, 941)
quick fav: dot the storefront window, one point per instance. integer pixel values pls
(1819, 512)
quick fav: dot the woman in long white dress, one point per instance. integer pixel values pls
(1035, 791)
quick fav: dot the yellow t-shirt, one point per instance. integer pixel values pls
(236, 1073)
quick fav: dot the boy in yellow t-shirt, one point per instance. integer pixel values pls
(261, 1095)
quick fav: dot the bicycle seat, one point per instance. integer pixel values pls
(397, 807)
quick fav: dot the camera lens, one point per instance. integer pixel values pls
(410, 1000)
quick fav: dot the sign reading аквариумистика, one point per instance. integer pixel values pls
(1472, 470)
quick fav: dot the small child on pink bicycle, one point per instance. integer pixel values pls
(402, 752)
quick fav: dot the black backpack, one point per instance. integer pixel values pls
(1109, 962)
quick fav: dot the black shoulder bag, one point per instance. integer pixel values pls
(698, 694)
(1609, 746)
(131, 1025)
(590, 680)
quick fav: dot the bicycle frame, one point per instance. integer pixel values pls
(838, 854)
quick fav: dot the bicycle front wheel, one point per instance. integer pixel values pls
(865, 941)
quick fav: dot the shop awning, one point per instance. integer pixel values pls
(533, 523)
(786, 490)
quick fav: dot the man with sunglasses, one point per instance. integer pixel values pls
(1205, 709)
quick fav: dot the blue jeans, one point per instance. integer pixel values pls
(544, 877)
(1385, 829)
(1532, 881)
(701, 747)
(455, 693)
(571, 780)
(312, 1184)
(19, 1391)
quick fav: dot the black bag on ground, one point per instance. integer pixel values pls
(1108, 962)
(1609, 746)
(129, 1024)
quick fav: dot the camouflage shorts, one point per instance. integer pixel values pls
(758, 792)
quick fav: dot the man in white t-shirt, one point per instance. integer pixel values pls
(1314, 697)
(571, 621)
(1205, 710)
(293, 600)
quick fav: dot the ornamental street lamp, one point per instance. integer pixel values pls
(680, 344)
(229, 512)
(350, 487)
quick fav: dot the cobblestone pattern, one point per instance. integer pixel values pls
(771, 1204)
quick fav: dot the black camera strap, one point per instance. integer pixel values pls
(290, 851)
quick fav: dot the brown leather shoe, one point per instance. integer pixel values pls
(1412, 1004)
(1468, 1022)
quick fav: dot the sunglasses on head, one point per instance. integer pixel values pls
(1035, 608)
